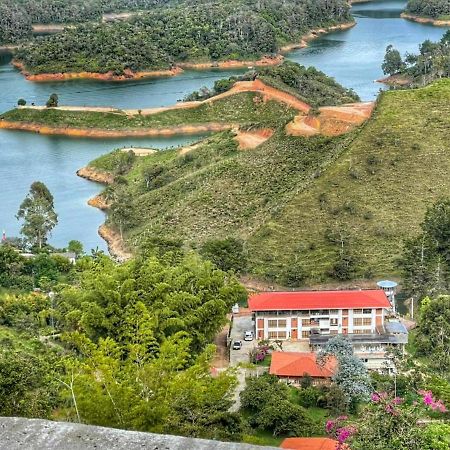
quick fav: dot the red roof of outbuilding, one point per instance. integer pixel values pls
(314, 443)
(297, 364)
(273, 301)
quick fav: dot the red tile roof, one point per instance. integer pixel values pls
(300, 300)
(296, 364)
(314, 443)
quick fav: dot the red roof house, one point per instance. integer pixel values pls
(314, 443)
(318, 300)
(295, 365)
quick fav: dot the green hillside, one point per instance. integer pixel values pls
(307, 208)
(374, 195)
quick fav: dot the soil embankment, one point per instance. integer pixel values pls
(98, 202)
(108, 76)
(98, 176)
(429, 20)
(115, 243)
(332, 120)
(248, 140)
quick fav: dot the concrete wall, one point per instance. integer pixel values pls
(37, 434)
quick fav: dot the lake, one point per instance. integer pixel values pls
(353, 57)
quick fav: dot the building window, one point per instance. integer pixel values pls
(359, 331)
(357, 311)
(367, 321)
(357, 322)
(367, 311)
(333, 331)
(334, 312)
(277, 334)
(305, 322)
(305, 334)
(277, 323)
(333, 322)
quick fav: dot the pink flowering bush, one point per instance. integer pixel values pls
(390, 423)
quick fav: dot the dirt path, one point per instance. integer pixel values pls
(140, 151)
(221, 358)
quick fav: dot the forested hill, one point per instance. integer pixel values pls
(16, 16)
(436, 9)
(190, 31)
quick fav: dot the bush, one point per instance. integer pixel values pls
(227, 254)
(52, 102)
(21, 102)
(309, 396)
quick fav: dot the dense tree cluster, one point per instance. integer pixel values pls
(431, 63)
(429, 8)
(132, 349)
(426, 258)
(17, 16)
(190, 31)
(15, 24)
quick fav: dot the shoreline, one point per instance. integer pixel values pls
(95, 175)
(116, 246)
(395, 80)
(430, 20)
(102, 133)
(128, 75)
(179, 68)
(314, 34)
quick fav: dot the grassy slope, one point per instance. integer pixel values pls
(377, 191)
(240, 108)
(284, 196)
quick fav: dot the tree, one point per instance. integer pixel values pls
(38, 214)
(393, 62)
(352, 375)
(75, 247)
(52, 102)
(21, 102)
(227, 254)
(433, 333)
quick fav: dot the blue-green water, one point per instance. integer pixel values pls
(353, 57)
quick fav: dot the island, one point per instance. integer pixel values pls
(436, 13)
(164, 40)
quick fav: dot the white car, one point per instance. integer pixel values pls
(248, 336)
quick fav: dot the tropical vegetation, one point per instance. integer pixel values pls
(188, 31)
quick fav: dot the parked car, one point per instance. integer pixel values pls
(237, 345)
(248, 336)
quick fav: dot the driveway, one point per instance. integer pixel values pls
(240, 325)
